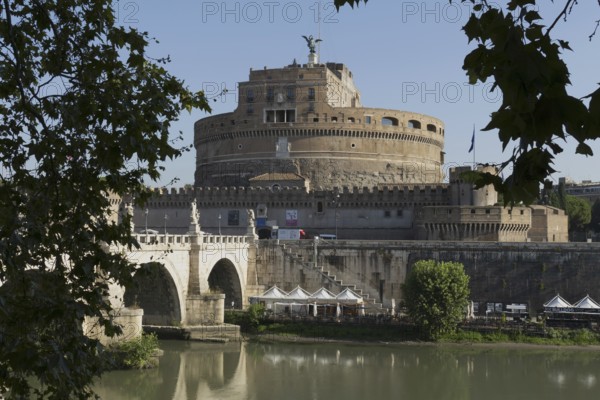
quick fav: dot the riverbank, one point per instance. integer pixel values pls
(295, 332)
(288, 339)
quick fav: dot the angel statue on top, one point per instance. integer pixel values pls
(311, 42)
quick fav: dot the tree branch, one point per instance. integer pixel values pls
(566, 10)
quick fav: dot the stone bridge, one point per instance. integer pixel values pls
(188, 280)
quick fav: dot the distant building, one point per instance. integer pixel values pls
(585, 189)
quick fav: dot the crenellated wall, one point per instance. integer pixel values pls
(471, 223)
(380, 213)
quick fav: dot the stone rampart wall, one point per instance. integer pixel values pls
(529, 273)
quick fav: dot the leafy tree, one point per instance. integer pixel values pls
(594, 224)
(517, 49)
(436, 295)
(578, 210)
(84, 113)
(580, 213)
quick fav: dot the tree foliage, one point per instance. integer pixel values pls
(594, 224)
(578, 210)
(436, 295)
(516, 49)
(84, 113)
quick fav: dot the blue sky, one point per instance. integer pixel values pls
(404, 55)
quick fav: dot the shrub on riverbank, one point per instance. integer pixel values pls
(248, 320)
(139, 353)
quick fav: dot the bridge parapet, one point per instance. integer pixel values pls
(186, 240)
(158, 239)
(224, 239)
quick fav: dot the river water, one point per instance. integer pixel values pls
(319, 371)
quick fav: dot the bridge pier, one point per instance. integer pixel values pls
(204, 309)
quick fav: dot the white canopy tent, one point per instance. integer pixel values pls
(298, 294)
(300, 302)
(322, 296)
(347, 296)
(587, 303)
(269, 298)
(556, 303)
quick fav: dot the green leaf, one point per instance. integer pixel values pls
(584, 149)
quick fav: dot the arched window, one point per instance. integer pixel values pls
(389, 121)
(413, 123)
(431, 128)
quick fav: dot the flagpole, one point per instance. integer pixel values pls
(474, 149)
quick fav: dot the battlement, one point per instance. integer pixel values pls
(186, 190)
(248, 197)
(345, 197)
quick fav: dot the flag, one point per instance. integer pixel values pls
(472, 140)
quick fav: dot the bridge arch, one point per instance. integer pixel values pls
(155, 289)
(225, 277)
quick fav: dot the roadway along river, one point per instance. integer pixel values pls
(317, 371)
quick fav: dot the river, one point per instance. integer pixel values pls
(320, 371)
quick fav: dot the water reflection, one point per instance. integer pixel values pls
(193, 371)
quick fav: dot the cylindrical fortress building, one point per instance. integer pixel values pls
(301, 154)
(304, 125)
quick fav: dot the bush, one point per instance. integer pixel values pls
(436, 295)
(248, 320)
(137, 353)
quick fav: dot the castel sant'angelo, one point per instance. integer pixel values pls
(301, 151)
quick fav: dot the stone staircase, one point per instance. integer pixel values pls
(294, 253)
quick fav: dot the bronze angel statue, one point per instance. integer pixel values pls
(311, 43)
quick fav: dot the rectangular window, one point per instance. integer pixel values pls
(311, 93)
(233, 217)
(291, 93)
(367, 119)
(250, 96)
(399, 213)
(250, 109)
(270, 94)
(387, 213)
(269, 116)
(280, 116)
(290, 116)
